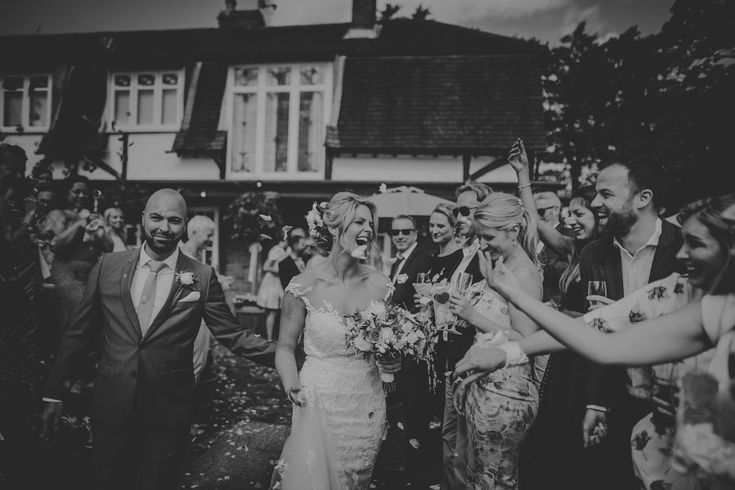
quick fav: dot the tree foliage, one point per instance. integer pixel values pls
(666, 97)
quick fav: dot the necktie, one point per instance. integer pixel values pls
(148, 296)
(396, 265)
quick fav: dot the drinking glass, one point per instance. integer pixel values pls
(596, 288)
(421, 277)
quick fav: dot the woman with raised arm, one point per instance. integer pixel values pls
(674, 321)
(79, 240)
(555, 446)
(501, 406)
(339, 403)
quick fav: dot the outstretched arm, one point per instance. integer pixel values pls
(225, 328)
(666, 338)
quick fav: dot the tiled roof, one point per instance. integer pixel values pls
(441, 104)
(401, 37)
(199, 131)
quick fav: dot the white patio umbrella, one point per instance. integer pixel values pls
(411, 201)
(405, 200)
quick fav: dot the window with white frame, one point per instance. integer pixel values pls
(147, 100)
(279, 119)
(25, 101)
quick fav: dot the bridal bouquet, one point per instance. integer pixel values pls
(386, 332)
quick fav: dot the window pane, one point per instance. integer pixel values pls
(145, 107)
(146, 79)
(122, 107)
(311, 75)
(279, 76)
(243, 133)
(13, 83)
(246, 76)
(39, 82)
(275, 154)
(311, 131)
(13, 114)
(170, 78)
(168, 113)
(122, 80)
(39, 109)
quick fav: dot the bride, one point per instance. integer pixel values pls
(339, 406)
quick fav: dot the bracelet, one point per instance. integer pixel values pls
(514, 355)
(520, 187)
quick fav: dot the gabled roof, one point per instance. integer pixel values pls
(440, 104)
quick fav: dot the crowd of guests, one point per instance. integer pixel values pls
(523, 392)
(576, 418)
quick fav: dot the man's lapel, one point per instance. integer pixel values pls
(126, 280)
(664, 259)
(613, 273)
(183, 264)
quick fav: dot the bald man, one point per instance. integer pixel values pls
(144, 307)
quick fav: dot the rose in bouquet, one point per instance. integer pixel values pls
(385, 332)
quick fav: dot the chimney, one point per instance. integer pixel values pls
(364, 14)
(252, 18)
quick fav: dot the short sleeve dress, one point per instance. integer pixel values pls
(270, 293)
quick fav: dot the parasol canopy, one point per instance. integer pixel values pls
(405, 200)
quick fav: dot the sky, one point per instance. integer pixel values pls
(546, 20)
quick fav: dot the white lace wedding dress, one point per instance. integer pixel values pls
(335, 438)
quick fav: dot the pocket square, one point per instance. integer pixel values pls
(193, 296)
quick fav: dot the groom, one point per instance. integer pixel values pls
(142, 309)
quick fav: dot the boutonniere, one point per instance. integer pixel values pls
(186, 278)
(402, 278)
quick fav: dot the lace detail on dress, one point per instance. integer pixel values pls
(299, 291)
(349, 390)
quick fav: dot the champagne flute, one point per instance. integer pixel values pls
(596, 288)
(462, 285)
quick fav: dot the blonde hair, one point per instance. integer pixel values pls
(446, 209)
(505, 212)
(339, 213)
(123, 234)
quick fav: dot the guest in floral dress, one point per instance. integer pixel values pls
(500, 407)
(673, 321)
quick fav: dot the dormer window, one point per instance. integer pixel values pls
(146, 101)
(26, 102)
(279, 118)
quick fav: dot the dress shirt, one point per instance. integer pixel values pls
(401, 260)
(468, 253)
(163, 283)
(636, 271)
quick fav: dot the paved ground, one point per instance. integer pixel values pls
(235, 445)
(243, 430)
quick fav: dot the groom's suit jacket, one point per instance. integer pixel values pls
(149, 375)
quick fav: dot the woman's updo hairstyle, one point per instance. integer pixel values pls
(506, 212)
(338, 214)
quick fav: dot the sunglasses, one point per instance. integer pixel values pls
(406, 232)
(463, 210)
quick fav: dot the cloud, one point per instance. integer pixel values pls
(590, 15)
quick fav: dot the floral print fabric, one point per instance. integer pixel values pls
(500, 409)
